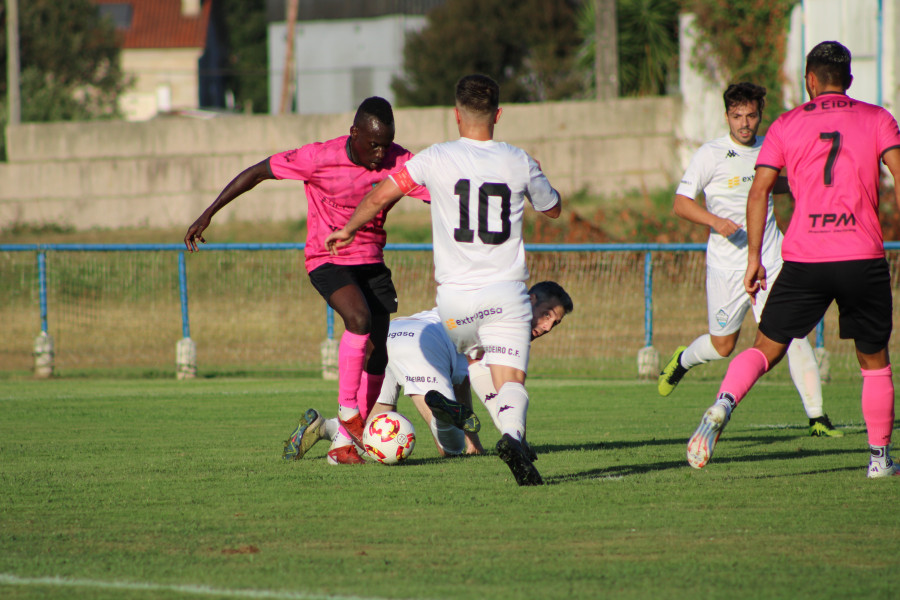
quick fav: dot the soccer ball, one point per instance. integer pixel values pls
(389, 438)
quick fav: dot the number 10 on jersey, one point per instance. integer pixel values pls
(498, 193)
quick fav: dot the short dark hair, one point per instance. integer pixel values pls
(743, 93)
(479, 94)
(377, 108)
(830, 61)
(547, 291)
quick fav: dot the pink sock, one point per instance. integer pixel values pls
(878, 405)
(745, 370)
(351, 357)
(369, 390)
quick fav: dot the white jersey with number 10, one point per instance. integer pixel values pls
(478, 191)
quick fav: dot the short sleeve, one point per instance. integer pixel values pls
(296, 164)
(698, 174)
(542, 195)
(772, 152)
(888, 132)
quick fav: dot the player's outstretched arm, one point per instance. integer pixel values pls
(246, 180)
(379, 198)
(689, 210)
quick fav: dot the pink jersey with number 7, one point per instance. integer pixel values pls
(832, 148)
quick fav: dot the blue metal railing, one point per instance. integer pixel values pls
(41, 251)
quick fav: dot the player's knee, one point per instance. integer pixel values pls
(358, 322)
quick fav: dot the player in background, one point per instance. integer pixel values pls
(833, 248)
(422, 360)
(723, 170)
(357, 284)
(478, 192)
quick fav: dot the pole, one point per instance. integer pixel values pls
(287, 81)
(12, 62)
(606, 49)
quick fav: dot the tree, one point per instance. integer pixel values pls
(247, 77)
(528, 46)
(648, 44)
(747, 39)
(69, 63)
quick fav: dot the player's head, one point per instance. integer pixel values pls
(372, 132)
(829, 63)
(478, 99)
(744, 103)
(549, 304)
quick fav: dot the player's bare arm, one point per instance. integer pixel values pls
(757, 207)
(891, 160)
(245, 181)
(689, 210)
(382, 196)
(554, 212)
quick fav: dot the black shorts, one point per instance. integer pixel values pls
(803, 292)
(374, 280)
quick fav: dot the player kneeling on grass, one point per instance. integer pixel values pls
(419, 349)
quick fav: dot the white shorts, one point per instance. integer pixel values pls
(495, 320)
(420, 359)
(727, 302)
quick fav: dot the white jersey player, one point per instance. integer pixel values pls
(478, 191)
(422, 361)
(723, 170)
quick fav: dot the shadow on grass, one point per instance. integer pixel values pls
(621, 471)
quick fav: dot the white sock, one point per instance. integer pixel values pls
(700, 352)
(482, 384)
(451, 439)
(512, 409)
(339, 440)
(880, 455)
(805, 373)
(346, 413)
(331, 428)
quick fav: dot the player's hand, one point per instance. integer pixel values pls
(755, 279)
(338, 239)
(195, 234)
(726, 227)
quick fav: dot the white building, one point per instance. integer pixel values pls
(344, 51)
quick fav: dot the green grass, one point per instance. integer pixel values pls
(176, 489)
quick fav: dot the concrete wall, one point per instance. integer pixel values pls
(163, 173)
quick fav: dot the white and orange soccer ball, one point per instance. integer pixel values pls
(389, 438)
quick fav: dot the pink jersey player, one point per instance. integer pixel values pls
(833, 250)
(334, 187)
(831, 147)
(357, 284)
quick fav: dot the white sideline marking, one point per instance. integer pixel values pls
(199, 590)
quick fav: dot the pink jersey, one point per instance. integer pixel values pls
(832, 147)
(334, 187)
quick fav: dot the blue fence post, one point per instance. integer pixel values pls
(329, 322)
(185, 349)
(182, 283)
(648, 357)
(648, 299)
(42, 283)
(43, 343)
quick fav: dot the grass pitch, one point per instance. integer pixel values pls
(165, 489)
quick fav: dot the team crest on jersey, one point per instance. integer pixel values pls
(722, 318)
